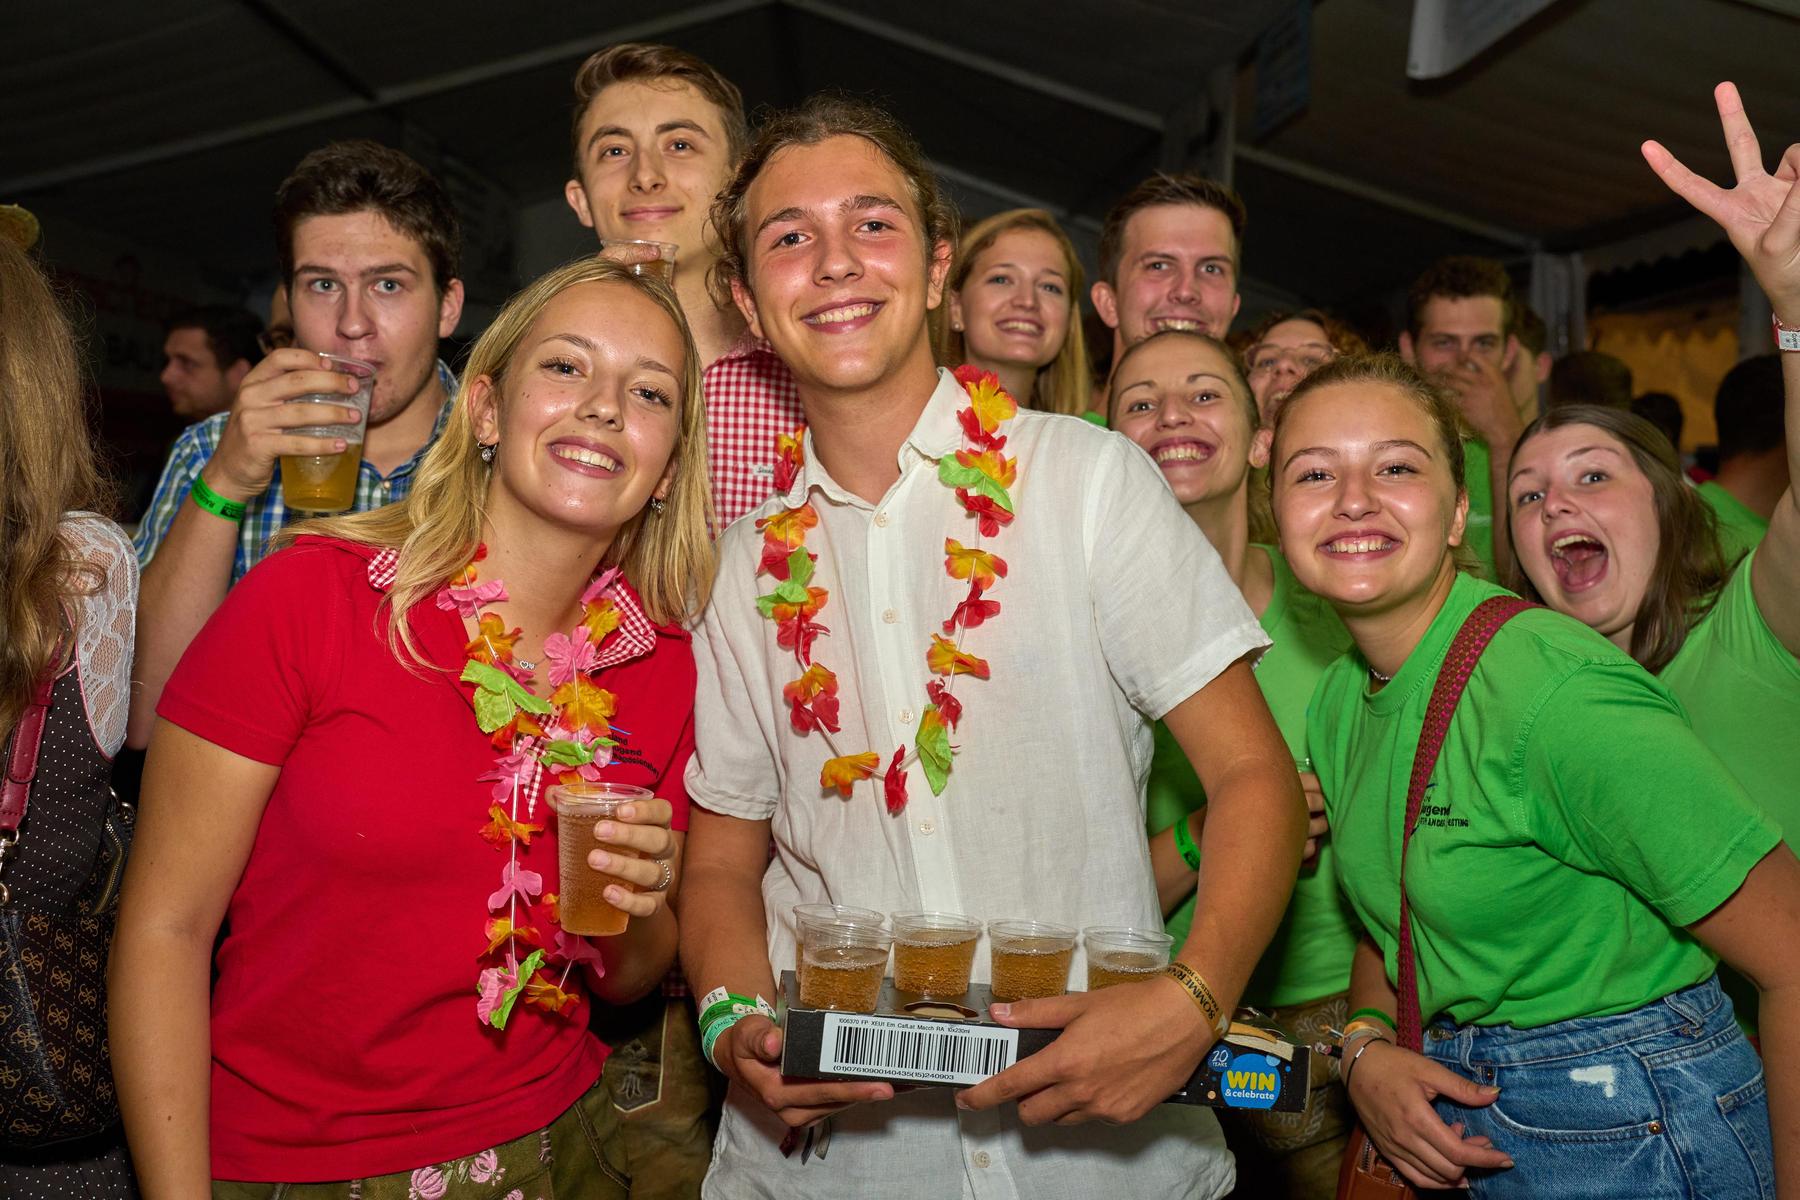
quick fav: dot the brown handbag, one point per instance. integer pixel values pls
(55, 1070)
(1364, 1174)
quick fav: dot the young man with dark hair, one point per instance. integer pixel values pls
(1663, 410)
(1753, 466)
(1531, 372)
(368, 244)
(207, 351)
(1459, 332)
(906, 770)
(655, 134)
(1170, 250)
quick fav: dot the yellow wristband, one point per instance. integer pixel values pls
(1373, 1026)
(1202, 996)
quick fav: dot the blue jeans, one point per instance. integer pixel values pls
(1666, 1101)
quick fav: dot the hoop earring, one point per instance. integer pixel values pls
(488, 450)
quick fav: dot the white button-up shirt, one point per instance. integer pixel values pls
(1115, 609)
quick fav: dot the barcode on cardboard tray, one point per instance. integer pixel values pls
(899, 1049)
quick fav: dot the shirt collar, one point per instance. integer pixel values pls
(937, 432)
(748, 345)
(634, 638)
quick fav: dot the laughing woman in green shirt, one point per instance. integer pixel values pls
(1580, 862)
(1179, 395)
(1605, 530)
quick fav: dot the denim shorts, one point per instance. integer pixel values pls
(1665, 1101)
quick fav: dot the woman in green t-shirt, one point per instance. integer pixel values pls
(1579, 861)
(1606, 530)
(1179, 395)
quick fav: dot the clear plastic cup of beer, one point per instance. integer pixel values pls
(581, 905)
(1029, 959)
(326, 483)
(827, 912)
(934, 953)
(842, 962)
(1120, 954)
(656, 259)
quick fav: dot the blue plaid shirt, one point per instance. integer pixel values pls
(266, 514)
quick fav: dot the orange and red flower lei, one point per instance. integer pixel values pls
(981, 475)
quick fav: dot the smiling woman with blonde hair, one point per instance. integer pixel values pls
(348, 774)
(1011, 307)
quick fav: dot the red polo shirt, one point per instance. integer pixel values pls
(345, 1041)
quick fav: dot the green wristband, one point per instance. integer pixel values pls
(1377, 1014)
(715, 1031)
(214, 503)
(732, 1003)
(1184, 844)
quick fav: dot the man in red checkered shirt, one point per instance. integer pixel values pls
(656, 134)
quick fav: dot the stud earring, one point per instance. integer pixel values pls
(657, 504)
(488, 450)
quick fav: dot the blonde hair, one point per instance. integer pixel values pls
(47, 469)
(1063, 383)
(668, 557)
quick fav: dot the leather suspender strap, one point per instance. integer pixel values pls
(1453, 677)
(22, 752)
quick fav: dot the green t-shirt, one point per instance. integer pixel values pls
(1741, 688)
(1572, 826)
(1310, 954)
(1740, 529)
(1478, 534)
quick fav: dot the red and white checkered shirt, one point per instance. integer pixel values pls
(750, 399)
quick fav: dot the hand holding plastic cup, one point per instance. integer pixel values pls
(582, 906)
(323, 483)
(643, 258)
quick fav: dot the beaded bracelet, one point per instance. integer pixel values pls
(204, 497)
(1202, 995)
(1184, 844)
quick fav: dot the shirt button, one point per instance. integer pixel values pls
(906, 716)
(890, 616)
(881, 519)
(982, 1159)
(927, 828)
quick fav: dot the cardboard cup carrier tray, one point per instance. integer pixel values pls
(938, 1043)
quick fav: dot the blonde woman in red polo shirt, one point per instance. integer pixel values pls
(347, 776)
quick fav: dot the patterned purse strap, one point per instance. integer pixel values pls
(1453, 677)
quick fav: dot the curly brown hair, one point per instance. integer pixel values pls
(1690, 566)
(1460, 277)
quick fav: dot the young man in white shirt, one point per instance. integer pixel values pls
(836, 242)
